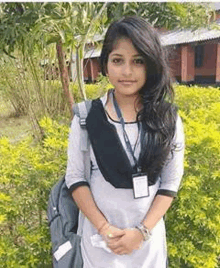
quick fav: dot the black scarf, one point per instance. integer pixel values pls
(110, 155)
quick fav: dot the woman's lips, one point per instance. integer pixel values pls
(127, 82)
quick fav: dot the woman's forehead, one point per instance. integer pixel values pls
(122, 45)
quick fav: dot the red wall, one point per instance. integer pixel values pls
(96, 68)
(218, 63)
(182, 62)
(91, 69)
(209, 64)
(187, 63)
(175, 62)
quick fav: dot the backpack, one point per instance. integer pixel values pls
(63, 213)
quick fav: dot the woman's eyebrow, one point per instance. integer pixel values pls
(120, 55)
(116, 54)
(138, 55)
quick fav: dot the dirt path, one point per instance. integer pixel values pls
(14, 127)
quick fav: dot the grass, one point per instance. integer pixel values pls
(12, 126)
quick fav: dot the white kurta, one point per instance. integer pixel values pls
(119, 206)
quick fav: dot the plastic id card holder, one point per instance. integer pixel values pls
(140, 185)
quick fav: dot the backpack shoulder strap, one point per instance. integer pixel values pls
(81, 110)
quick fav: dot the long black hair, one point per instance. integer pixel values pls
(159, 114)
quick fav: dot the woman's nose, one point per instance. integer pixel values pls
(127, 69)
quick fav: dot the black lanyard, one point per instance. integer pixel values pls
(127, 141)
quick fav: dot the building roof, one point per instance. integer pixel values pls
(170, 38)
(189, 36)
(215, 5)
(91, 53)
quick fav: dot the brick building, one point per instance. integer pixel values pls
(194, 56)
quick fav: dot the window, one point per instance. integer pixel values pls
(199, 56)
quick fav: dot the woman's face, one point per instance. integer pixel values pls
(126, 68)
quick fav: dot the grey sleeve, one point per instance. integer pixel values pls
(173, 170)
(75, 175)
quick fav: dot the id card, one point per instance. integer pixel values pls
(140, 185)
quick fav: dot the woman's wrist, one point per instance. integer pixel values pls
(144, 231)
(139, 237)
(102, 226)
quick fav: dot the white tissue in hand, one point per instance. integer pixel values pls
(98, 242)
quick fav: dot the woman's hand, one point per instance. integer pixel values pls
(111, 232)
(131, 240)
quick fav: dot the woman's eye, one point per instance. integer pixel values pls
(139, 61)
(117, 60)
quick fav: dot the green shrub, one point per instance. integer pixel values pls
(193, 223)
(93, 91)
(28, 170)
(27, 173)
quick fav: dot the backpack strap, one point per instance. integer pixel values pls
(81, 110)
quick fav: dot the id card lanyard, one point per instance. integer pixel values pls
(127, 141)
(140, 180)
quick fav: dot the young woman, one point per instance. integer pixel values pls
(137, 145)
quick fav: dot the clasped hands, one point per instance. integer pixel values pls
(120, 241)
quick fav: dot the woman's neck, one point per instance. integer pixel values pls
(129, 105)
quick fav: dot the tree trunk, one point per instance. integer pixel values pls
(79, 68)
(64, 76)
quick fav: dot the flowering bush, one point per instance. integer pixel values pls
(193, 223)
(27, 173)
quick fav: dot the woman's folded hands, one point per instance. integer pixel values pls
(120, 241)
(109, 231)
(131, 240)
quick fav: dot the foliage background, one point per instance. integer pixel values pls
(34, 32)
(193, 223)
(28, 169)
